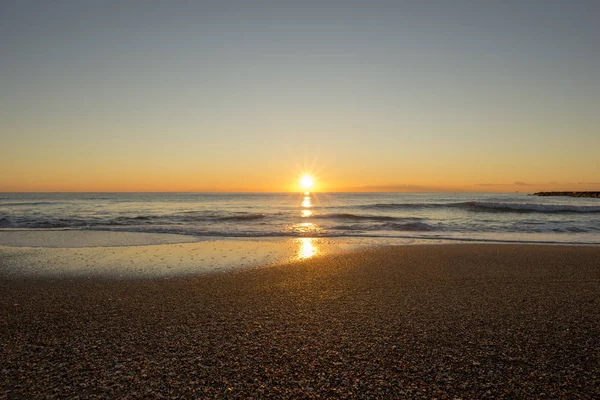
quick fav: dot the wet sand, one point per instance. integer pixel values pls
(437, 321)
(133, 255)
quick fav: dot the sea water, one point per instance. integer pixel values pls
(481, 217)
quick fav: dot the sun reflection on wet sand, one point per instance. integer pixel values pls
(307, 249)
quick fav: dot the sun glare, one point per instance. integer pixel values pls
(307, 182)
(307, 248)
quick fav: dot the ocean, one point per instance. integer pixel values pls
(479, 217)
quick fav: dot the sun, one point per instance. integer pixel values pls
(307, 182)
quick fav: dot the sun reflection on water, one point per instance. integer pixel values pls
(307, 249)
(305, 228)
(306, 202)
(306, 213)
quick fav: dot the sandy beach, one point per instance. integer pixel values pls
(437, 321)
(300, 200)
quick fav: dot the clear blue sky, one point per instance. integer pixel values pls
(192, 95)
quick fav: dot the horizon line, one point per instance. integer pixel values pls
(280, 192)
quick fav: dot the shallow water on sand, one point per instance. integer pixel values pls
(90, 254)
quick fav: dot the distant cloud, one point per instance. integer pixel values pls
(567, 184)
(397, 188)
(394, 187)
(552, 185)
(518, 183)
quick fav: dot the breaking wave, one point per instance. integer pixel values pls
(406, 227)
(482, 206)
(355, 217)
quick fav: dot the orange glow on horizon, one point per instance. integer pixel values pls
(339, 178)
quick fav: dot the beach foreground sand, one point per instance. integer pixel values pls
(470, 321)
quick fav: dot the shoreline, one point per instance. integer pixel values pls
(131, 255)
(400, 321)
(111, 255)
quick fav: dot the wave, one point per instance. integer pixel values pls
(182, 218)
(399, 206)
(42, 224)
(30, 203)
(407, 227)
(411, 226)
(246, 217)
(528, 207)
(483, 206)
(355, 217)
(26, 222)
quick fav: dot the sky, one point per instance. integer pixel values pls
(420, 96)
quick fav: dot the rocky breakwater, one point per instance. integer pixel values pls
(570, 194)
